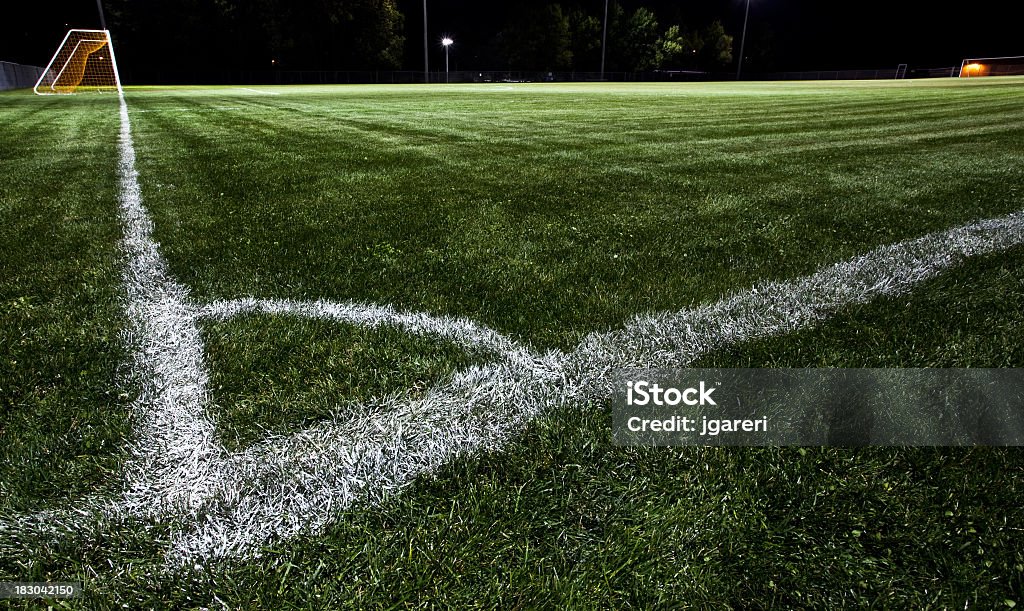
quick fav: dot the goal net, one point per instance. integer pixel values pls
(992, 66)
(85, 60)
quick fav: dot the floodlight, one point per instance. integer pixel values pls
(447, 42)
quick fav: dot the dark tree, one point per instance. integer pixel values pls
(717, 49)
(538, 41)
(633, 40)
(639, 45)
(585, 31)
(195, 37)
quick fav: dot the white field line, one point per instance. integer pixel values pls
(175, 453)
(772, 308)
(227, 505)
(259, 91)
(465, 333)
(300, 482)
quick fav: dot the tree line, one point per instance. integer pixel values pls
(559, 38)
(215, 35)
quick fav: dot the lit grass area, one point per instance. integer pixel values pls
(550, 211)
(546, 212)
(63, 419)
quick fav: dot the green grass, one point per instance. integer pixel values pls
(969, 317)
(63, 420)
(546, 212)
(272, 375)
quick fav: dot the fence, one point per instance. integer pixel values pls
(850, 75)
(378, 77)
(17, 76)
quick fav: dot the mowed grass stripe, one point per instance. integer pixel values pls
(547, 214)
(63, 421)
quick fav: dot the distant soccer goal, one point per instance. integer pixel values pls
(973, 67)
(85, 60)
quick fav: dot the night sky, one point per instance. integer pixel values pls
(791, 34)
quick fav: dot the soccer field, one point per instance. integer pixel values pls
(301, 347)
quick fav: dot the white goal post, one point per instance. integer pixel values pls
(973, 67)
(84, 60)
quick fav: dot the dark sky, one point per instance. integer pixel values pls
(801, 34)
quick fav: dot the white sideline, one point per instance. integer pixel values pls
(175, 450)
(227, 505)
(259, 91)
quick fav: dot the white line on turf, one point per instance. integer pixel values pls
(259, 91)
(176, 452)
(465, 333)
(228, 505)
(300, 482)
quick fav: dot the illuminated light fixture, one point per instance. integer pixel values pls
(447, 42)
(972, 69)
(977, 67)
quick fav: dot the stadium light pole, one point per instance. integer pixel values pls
(447, 42)
(103, 20)
(743, 41)
(426, 47)
(604, 37)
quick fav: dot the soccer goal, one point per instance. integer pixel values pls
(85, 60)
(992, 66)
